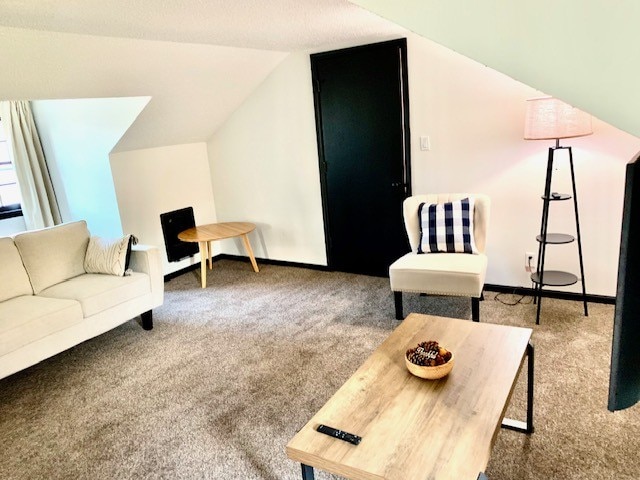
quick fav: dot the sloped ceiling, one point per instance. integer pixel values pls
(193, 87)
(582, 51)
(284, 25)
(197, 60)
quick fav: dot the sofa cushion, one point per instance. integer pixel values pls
(54, 254)
(13, 276)
(28, 318)
(97, 292)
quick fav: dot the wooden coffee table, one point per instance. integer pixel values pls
(206, 234)
(422, 429)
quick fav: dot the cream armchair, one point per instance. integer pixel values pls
(451, 274)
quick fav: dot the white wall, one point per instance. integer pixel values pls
(264, 168)
(11, 226)
(475, 119)
(152, 181)
(264, 165)
(582, 51)
(77, 136)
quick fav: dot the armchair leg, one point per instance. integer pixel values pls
(475, 309)
(147, 320)
(397, 300)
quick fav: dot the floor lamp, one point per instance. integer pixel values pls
(548, 118)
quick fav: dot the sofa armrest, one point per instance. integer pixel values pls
(146, 259)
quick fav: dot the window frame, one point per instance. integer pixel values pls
(10, 211)
(14, 209)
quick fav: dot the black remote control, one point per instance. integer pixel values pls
(333, 432)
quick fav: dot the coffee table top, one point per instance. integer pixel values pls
(216, 231)
(413, 428)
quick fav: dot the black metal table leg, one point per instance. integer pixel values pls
(530, 373)
(307, 472)
(519, 426)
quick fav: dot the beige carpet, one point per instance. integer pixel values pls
(230, 373)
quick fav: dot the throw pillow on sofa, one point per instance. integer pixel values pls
(109, 256)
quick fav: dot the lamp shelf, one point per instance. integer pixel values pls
(559, 197)
(557, 238)
(554, 278)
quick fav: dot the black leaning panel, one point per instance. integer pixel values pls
(624, 384)
(172, 224)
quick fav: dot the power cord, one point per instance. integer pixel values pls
(519, 301)
(511, 304)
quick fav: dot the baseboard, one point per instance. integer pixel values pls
(268, 261)
(550, 294)
(488, 286)
(182, 271)
(263, 261)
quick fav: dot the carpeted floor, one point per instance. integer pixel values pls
(229, 374)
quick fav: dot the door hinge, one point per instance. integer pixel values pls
(316, 85)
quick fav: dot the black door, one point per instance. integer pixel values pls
(362, 121)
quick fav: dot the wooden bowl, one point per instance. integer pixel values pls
(430, 373)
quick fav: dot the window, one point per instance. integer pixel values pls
(9, 191)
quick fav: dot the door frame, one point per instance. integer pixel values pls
(401, 43)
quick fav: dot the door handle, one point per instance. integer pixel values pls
(403, 187)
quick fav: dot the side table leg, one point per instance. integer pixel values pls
(516, 425)
(203, 263)
(247, 247)
(307, 472)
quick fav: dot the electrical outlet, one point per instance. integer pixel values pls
(529, 261)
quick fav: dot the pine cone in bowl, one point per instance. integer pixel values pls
(429, 360)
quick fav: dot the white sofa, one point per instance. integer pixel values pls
(48, 303)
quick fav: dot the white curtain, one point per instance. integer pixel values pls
(39, 206)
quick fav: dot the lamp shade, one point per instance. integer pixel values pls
(548, 118)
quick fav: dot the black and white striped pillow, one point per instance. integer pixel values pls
(447, 227)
